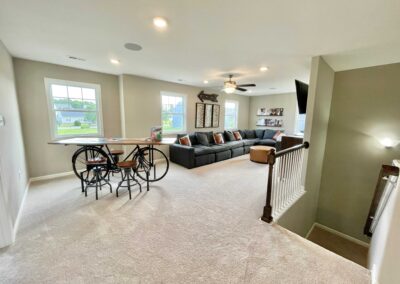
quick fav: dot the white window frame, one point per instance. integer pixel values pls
(52, 112)
(236, 115)
(184, 99)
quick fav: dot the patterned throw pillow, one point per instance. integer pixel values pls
(185, 140)
(277, 134)
(237, 135)
(218, 138)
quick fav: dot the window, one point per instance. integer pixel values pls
(300, 123)
(173, 112)
(231, 114)
(74, 108)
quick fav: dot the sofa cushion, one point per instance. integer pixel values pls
(202, 150)
(235, 144)
(229, 136)
(220, 148)
(269, 133)
(185, 140)
(267, 142)
(202, 138)
(251, 142)
(260, 133)
(250, 134)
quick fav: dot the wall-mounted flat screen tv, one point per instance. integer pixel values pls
(302, 94)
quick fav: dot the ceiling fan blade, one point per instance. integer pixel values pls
(247, 85)
(240, 89)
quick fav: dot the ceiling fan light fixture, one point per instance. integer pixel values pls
(229, 87)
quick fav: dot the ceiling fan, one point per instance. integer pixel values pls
(230, 86)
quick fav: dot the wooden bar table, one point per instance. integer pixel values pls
(152, 164)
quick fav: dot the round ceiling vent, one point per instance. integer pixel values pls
(132, 46)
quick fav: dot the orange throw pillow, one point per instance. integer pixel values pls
(185, 141)
(237, 135)
(218, 138)
(277, 134)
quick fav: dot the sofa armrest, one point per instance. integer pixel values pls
(182, 155)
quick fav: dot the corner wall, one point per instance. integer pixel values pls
(302, 215)
(13, 170)
(44, 159)
(365, 108)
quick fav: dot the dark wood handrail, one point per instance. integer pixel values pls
(267, 214)
(386, 171)
(292, 149)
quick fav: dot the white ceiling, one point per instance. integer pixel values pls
(206, 38)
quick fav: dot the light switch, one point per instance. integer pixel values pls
(2, 121)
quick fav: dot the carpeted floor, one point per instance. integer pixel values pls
(194, 226)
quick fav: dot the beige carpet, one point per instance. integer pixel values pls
(195, 226)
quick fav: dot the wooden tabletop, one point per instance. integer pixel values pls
(112, 141)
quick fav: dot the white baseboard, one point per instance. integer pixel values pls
(21, 208)
(340, 234)
(53, 176)
(311, 229)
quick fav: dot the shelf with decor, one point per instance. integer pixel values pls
(269, 115)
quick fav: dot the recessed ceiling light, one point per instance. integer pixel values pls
(132, 46)
(114, 61)
(160, 22)
(272, 88)
(263, 68)
(205, 82)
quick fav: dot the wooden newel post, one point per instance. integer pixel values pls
(267, 214)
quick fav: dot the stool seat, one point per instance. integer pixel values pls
(96, 161)
(117, 152)
(127, 164)
(259, 154)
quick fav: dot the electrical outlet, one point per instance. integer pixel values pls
(2, 121)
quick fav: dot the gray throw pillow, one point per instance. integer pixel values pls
(260, 133)
(202, 138)
(250, 134)
(229, 136)
(269, 134)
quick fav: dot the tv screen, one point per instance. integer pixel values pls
(302, 94)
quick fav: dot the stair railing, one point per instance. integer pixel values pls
(284, 184)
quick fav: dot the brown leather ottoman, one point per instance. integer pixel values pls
(259, 154)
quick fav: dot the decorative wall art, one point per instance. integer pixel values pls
(215, 116)
(207, 115)
(200, 115)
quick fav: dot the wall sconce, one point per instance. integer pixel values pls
(388, 143)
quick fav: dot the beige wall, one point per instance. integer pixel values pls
(365, 108)
(44, 159)
(286, 101)
(142, 105)
(303, 214)
(13, 170)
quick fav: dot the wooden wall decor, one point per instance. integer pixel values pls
(207, 115)
(207, 97)
(215, 116)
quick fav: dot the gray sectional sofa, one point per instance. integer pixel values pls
(199, 154)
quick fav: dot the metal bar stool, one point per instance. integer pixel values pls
(128, 175)
(115, 153)
(97, 181)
